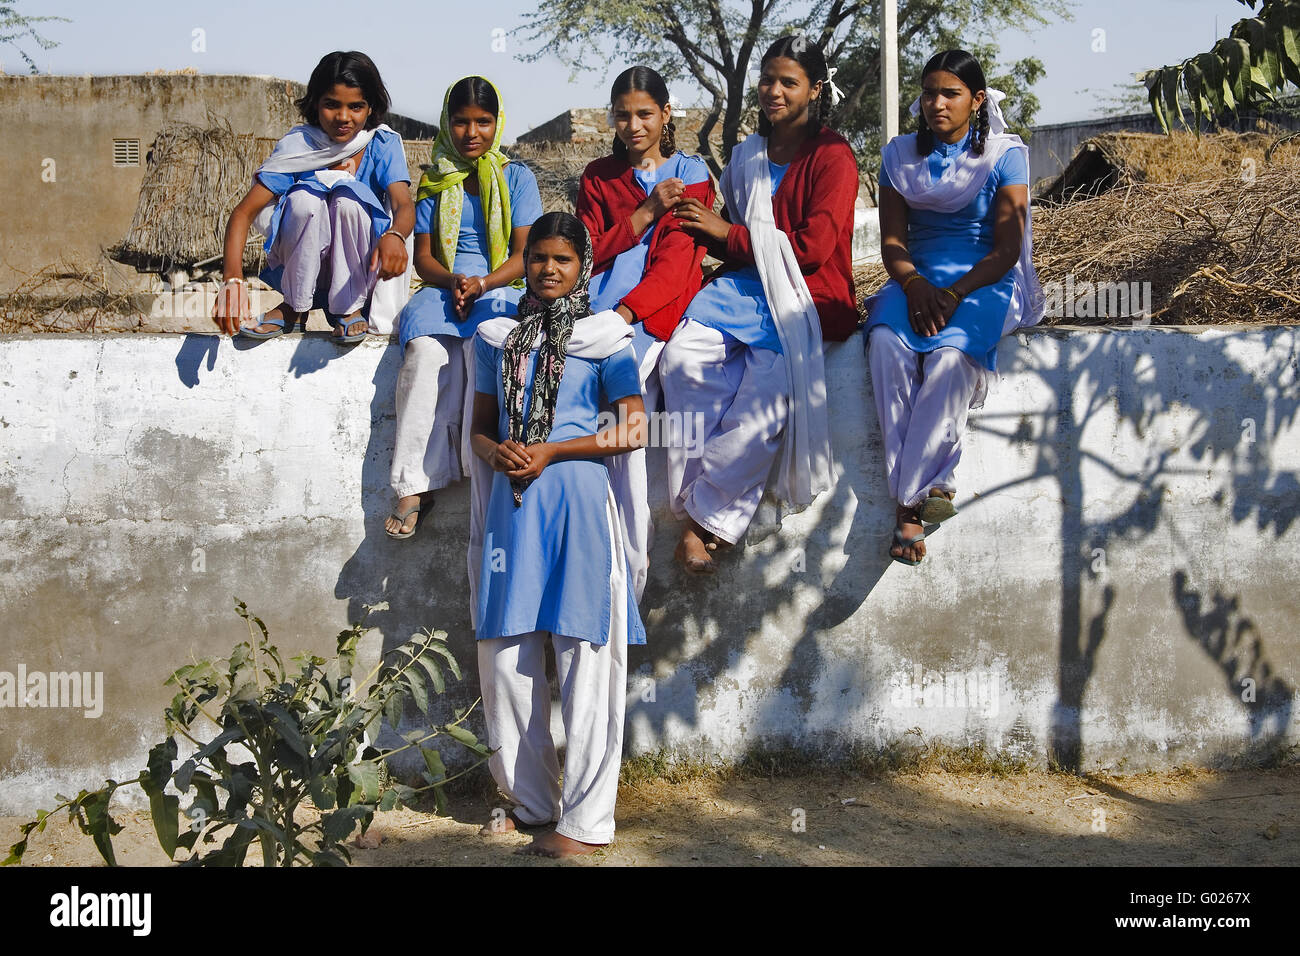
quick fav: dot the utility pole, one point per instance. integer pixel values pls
(888, 70)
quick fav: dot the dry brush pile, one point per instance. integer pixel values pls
(1218, 250)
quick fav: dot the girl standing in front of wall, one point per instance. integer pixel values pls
(554, 565)
(749, 353)
(956, 239)
(647, 268)
(474, 209)
(334, 202)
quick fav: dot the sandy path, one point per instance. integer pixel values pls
(1180, 817)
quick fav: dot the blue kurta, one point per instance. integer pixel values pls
(382, 164)
(547, 563)
(735, 303)
(944, 247)
(429, 311)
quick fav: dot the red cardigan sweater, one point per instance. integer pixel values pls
(814, 207)
(607, 196)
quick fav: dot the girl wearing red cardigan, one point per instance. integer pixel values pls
(748, 355)
(647, 266)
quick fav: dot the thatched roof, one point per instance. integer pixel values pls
(1124, 159)
(195, 177)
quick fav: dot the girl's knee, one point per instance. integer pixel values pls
(346, 205)
(302, 203)
(426, 350)
(884, 339)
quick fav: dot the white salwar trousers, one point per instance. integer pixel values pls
(741, 392)
(517, 705)
(922, 400)
(593, 694)
(323, 242)
(430, 399)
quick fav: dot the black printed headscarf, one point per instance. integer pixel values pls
(555, 323)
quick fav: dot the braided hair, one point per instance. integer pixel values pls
(967, 69)
(807, 54)
(642, 79)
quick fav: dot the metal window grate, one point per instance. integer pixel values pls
(126, 152)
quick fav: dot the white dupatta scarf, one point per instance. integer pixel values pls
(307, 148)
(803, 466)
(595, 337)
(909, 173)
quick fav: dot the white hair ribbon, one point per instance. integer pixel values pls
(994, 98)
(836, 93)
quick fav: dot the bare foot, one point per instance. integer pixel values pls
(909, 523)
(692, 552)
(421, 502)
(369, 840)
(281, 311)
(557, 847)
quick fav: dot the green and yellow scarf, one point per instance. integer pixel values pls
(445, 179)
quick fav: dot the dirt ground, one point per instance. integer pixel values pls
(1180, 817)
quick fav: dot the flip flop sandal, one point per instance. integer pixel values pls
(908, 542)
(935, 509)
(250, 331)
(342, 323)
(401, 519)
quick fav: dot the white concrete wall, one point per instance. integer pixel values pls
(1124, 558)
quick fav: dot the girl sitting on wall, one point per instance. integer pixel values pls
(472, 217)
(748, 355)
(647, 268)
(956, 239)
(334, 203)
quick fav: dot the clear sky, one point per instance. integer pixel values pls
(422, 45)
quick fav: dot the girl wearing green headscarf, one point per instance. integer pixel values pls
(474, 206)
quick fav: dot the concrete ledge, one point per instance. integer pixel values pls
(1117, 591)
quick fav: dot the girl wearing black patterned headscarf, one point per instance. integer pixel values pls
(548, 543)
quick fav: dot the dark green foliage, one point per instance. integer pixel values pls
(275, 743)
(1260, 56)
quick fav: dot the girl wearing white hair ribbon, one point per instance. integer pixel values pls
(956, 239)
(746, 362)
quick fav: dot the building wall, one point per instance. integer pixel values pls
(589, 125)
(1115, 592)
(73, 121)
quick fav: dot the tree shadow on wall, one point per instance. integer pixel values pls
(1102, 393)
(1109, 380)
(1232, 641)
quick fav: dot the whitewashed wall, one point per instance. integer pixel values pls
(1119, 585)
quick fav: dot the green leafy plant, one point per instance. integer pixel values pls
(277, 743)
(1259, 57)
